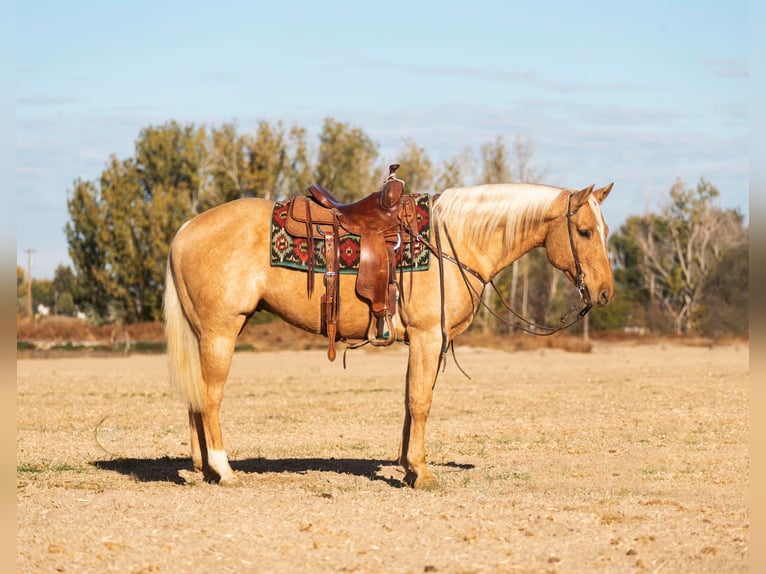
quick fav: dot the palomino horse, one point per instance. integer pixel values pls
(219, 273)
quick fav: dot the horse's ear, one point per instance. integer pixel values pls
(601, 193)
(580, 197)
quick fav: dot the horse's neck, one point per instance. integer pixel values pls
(499, 258)
(491, 258)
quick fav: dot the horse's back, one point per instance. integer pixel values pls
(234, 218)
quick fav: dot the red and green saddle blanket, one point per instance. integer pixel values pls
(293, 252)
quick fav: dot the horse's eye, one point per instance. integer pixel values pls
(584, 233)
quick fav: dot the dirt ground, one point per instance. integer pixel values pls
(629, 458)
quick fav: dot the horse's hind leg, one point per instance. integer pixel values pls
(205, 427)
(197, 440)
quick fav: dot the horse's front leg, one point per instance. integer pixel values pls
(421, 376)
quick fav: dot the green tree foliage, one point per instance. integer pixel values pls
(172, 156)
(665, 258)
(416, 168)
(299, 170)
(63, 279)
(455, 171)
(87, 239)
(65, 304)
(140, 203)
(42, 293)
(225, 176)
(267, 164)
(119, 235)
(47, 292)
(495, 163)
(63, 290)
(725, 297)
(346, 161)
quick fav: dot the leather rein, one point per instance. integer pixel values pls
(531, 327)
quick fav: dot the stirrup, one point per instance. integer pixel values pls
(386, 331)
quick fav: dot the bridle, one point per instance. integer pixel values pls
(525, 324)
(582, 288)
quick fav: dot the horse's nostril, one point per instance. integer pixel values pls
(603, 297)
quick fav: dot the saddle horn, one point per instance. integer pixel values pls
(393, 189)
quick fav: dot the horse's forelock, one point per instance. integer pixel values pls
(474, 213)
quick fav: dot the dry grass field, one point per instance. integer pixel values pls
(629, 458)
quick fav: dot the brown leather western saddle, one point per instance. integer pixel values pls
(383, 221)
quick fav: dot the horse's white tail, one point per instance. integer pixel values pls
(183, 348)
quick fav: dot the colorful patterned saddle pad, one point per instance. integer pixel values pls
(293, 252)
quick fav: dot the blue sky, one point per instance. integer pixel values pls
(638, 93)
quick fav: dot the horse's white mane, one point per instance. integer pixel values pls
(472, 214)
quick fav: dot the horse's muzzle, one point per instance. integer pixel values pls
(605, 297)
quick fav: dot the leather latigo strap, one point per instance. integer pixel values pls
(330, 300)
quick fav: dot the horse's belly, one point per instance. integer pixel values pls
(288, 298)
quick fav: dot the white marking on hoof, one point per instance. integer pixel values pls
(219, 462)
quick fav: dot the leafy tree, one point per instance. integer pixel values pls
(416, 168)
(298, 171)
(172, 156)
(495, 163)
(223, 176)
(633, 287)
(122, 224)
(65, 304)
(247, 165)
(725, 296)
(523, 166)
(42, 293)
(63, 279)
(63, 290)
(272, 163)
(119, 236)
(88, 246)
(267, 159)
(455, 171)
(345, 164)
(674, 251)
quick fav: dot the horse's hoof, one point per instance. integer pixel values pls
(231, 481)
(212, 477)
(425, 481)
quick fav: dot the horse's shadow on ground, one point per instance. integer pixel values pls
(167, 469)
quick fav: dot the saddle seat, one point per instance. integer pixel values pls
(388, 197)
(381, 220)
(368, 215)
